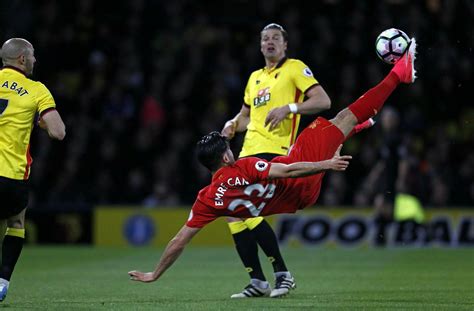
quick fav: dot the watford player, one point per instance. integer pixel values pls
(267, 188)
(20, 100)
(273, 101)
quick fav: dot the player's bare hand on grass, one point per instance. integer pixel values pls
(275, 116)
(145, 277)
(229, 129)
(338, 162)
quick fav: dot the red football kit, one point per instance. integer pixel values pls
(243, 189)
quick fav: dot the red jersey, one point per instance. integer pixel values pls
(243, 190)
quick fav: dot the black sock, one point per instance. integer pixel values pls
(11, 249)
(248, 251)
(267, 240)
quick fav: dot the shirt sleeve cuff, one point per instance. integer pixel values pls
(42, 113)
(310, 87)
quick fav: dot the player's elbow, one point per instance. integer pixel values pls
(58, 133)
(326, 103)
(61, 136)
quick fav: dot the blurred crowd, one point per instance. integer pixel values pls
(138, 82)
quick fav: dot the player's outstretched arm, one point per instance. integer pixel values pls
(173, 250)
(317, 100)
(237, 124)
(51, 122)
(301, 169)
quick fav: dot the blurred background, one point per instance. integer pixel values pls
(138, 82)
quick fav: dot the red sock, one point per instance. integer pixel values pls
(369, 104)
(360, 127)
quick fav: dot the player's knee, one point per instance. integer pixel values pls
(345, 120)
(16, 223)
(346, 116)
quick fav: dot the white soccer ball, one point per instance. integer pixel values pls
(391, 44)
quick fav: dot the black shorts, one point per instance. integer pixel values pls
(13, 196)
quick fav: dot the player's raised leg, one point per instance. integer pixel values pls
(369, 104)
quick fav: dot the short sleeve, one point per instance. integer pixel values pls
(302, 76)
(200, 215)
(44, 98)
(255, 169)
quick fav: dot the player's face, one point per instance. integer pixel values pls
(29, 61)
(272, 44)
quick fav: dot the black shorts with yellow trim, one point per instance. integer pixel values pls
(13, 196)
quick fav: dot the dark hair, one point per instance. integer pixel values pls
(278, 27)
(210, 149)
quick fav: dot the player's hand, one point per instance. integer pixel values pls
(275, 116)
(338, 162)
(145, 277)
(229, 129)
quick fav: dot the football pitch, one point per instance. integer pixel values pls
(61, 278)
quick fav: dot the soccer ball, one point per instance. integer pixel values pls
(391, 44)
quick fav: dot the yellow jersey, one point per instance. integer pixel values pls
(20, 99)
(271, 88)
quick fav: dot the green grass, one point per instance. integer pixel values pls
(61, 278)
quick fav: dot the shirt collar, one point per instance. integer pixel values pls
(14, 68)
(280, 63)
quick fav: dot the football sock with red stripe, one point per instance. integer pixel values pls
(360, 127)
(369, 104)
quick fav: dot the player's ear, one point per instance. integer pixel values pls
(227, 157)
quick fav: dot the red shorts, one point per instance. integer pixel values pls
(318, 142)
